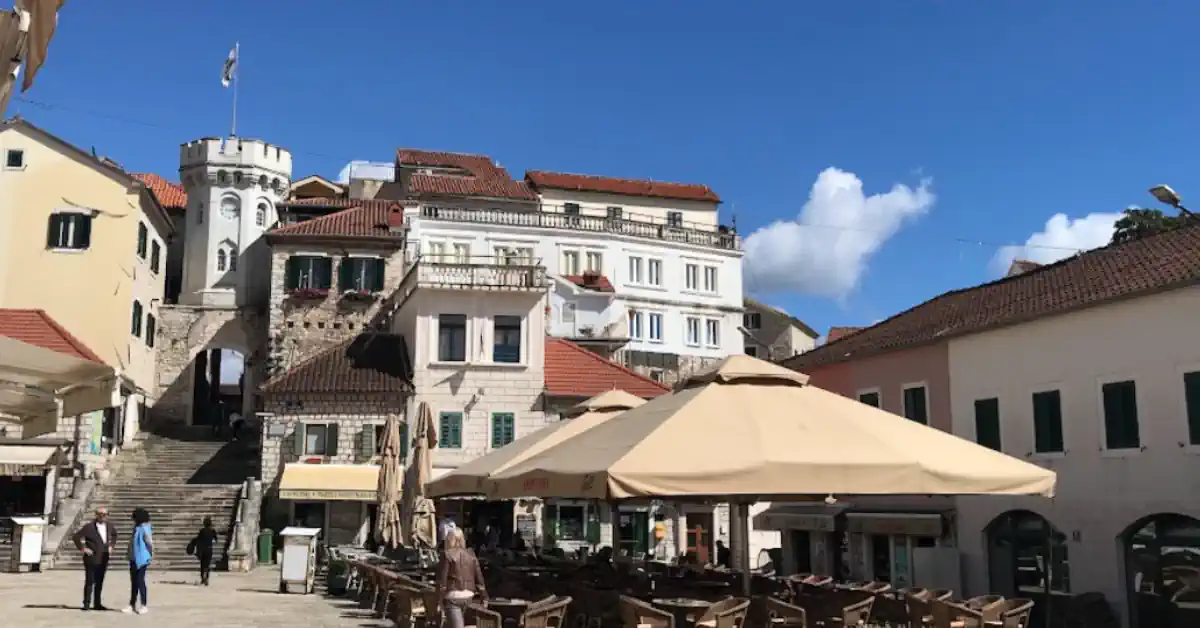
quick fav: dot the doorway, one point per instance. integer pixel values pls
(635, 534)
(309, 514)
(1162, 566)
(699, 542)
(801, 542)
(218, 380)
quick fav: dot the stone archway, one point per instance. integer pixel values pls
(1162, 571)
(1027, 557)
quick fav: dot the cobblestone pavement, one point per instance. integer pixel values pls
(51, 600)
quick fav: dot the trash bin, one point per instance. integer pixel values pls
(266, 549)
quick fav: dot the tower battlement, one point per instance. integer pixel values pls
(235, 153)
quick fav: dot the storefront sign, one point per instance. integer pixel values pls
(907, 524)
(318, 495)
(795, 521)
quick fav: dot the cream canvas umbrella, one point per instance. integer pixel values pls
(752, 428)
(418, 512)
(391, 470)
(474, 476)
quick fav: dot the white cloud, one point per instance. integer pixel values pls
(363, 169)
(1062, 237)
(825, 250)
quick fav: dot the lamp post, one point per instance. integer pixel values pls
(1167, 196)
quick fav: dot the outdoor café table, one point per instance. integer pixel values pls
(509, 609)
(686, 610)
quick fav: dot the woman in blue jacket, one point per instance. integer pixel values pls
(141, 550)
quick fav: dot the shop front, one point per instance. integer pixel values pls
(27, 477)
(337, 498)
(904, 549)
(812, 537)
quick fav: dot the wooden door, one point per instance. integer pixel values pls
(699, 535)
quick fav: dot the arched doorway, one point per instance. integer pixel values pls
(218, 387)
(1162, 567)
(1027, 558)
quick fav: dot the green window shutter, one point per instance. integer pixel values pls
(344, 270)
(987, 423)
(404, 441)
(1047, 422)
(331, 440)
(298, 444)
(324, 273)
(549, 518)
(456, 429)
(503, 428)
(1120, 416)
(380, 269)
(53, 228)
(366, 446)
(291, 278)
(450, 434)
(1191, 388)
(914, 405)
(143, 234)
(83, 231)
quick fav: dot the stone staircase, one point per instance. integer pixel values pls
(179, 479)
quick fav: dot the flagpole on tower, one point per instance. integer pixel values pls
(237, 53)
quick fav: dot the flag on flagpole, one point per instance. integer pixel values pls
(230, 68)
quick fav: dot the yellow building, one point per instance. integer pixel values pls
(86, 242)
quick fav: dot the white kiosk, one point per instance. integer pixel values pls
(27, 543)
(299, 558)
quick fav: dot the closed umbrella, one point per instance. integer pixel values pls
(387, 522)
(418, 513)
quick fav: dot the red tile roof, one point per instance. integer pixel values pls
(372, 362)
(364, 218)
(486, 179)
(170, 195)
(627, 187)
(840, 332)
(572, 371)
(598, 283)
(1156, 263)
(37, 328)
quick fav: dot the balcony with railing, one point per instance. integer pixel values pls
(557, 217)
(477, 272)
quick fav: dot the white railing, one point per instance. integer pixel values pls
(485, 271)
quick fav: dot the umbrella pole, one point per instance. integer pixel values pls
(614, 516)
(740, 524)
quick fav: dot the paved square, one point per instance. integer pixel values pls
(51, 600)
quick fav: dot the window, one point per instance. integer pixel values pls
(987, 423)
(450, 430)
(568, 312)
(260, 215)
(151, 329)
(1120, 415)
(635, 270)
(656, 327)
(691, 276)
(143, 238)
(1191, 395)
(752, 320)
(230, 208)
(452, 338)
(361, 274)
(506, 255)
(506, 342)
(675, 219)
(594, 262)
(615, 213)
(751, 351)
(916, 404)
(135, 326)
(710, 278)
(654, 272)
(870, 397)
(1047, 422)
(233, 257)
(437, 251)
(571, 523)
(504, 428)
(14, 159)
(462, 254)
(571, 209)
(222, 261)
(155, 256)
(317, 439)
(635, 324)
(71, 231)
(309, 272)
(570, 263)
(693, 331)
(374, 435)
(657, 375)
(712, 332)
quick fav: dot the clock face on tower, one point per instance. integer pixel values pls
(229, 208)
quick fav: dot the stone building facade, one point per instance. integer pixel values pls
(772, 334)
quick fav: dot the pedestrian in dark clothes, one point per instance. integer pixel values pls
(96, 540)
(202, 548)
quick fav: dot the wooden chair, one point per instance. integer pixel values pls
(783, 615)
(1015, 613)
(727, 613)
(636, 613)
(989, 606)
(857, 612)
(405, 606)
(547, 615)
(476, 616)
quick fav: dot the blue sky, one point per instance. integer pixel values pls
(992, 116)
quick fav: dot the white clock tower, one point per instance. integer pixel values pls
(234, 186)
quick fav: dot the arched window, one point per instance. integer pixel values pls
(222, 260)
(230, 208)
(233, 255)
(222, 177)
(237, 178)
(1160, 560)
(1027, 556)
(260, 215)
(262, 181)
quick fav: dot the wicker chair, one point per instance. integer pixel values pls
(477, 616)
(783, 615)
(940, 594)
(638, 614)
(546, 615)
(1015, 612)
(727, 613)
(857, 612)
(406, 606)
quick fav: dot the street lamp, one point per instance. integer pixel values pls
(1167, 196)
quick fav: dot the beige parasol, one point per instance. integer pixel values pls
(752, 428)
(474, 476)
(417, 513)
(391, 468)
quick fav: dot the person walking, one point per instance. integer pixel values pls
(202, 547)
(96, 540)
(459, 579)
(235, 424)
(141, 551)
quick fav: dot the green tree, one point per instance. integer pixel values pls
(1139, 223)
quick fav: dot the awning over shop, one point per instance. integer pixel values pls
(25, 460)
(810, 517)
(31, 377)
(900, 523)
(329, 482)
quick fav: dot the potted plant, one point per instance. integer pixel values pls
(337, 572)
(308, 293)
(358, 295)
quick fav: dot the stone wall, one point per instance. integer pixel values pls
(773, 339)
(186, 330)
(298, 329)
(670, 371)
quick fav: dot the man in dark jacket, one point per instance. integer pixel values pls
(96, 540)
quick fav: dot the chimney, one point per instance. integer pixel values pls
(591, 278)
(1021, 266)
(396, 220)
